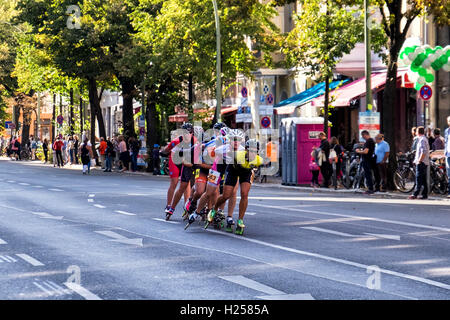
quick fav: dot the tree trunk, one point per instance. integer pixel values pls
(325, 105)
(81, 115)
(127, 109)
(190, 98)
(153, 128)
(95, 107)
(26, 118)
(71, 112)
(54, 117)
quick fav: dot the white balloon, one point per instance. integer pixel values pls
(446, 67)
(406, 60)
(426, 63)
(421, 80)
(412, 76)
(432, 57)
(412, 56)
(419, 50)
(439, 52)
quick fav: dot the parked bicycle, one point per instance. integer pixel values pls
(405, 176)
(438, 175)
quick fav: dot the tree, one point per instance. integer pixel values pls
(324, 32)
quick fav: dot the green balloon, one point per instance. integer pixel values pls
(414, 67)
(434, 65)
(417, 86)
(443, 59)
(420, 58)
(438, 47)
(423, 72)
(428, 51)
(429, 78)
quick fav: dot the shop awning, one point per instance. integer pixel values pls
(181, 117)
(229, 109)
(288, 106)
(356, 89)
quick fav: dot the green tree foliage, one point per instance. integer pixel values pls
(324, 32)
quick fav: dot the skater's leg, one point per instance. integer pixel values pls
(245, 189)
(171, 190)
(232, 201)
(227, 193)
(177, 196)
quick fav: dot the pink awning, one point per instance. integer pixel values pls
(356, 89)
(284, 110)
(225, 110)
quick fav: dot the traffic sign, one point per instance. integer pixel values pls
(60, 119)
(270, 98)
(244, 92)
(266, 89)
(426, 92)
(265, 122)
(9, 125)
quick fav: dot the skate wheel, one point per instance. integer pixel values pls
(206, 225)
(168, 216)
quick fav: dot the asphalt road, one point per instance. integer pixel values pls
(68, 236)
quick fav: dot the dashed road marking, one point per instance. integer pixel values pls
(24, 184)
(3, 241)
(30, 259)
(125, 213)
(90, 200)
(37, 186)
(99, 206)
(85, 293)
(56, 190)
(51, 288)
(6, 258)
(163, 220)
(91, 195)
(329, 231)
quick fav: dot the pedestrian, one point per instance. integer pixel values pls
(76, 145)
(335, 160)
(124, 154)
(382, 150)
(45, 150)
(109, 155)
(33, 148)
(86, 155)
(422, 161)
(70, 148)
(430, 136)
(102, 151)
(314, 167)
(325, 166)
(439, 141)
(447, 153)
(368, 160)
(57, 146)
(134, 151)
(156, 160)
(414, 137)
(54, 154)
(64, 150)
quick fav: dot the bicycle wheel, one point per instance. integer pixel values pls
(439, 182)
(405, 180)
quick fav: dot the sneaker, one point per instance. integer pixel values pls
(369, 192)
(413, 197)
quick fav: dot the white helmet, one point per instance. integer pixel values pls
(235, 134)
(198, 131)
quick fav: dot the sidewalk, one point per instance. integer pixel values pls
(272, 182)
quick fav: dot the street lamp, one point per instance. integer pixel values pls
(218, 63)
(368, 66)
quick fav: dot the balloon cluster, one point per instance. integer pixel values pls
(423, 60)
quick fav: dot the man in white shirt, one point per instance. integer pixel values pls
(447, 153)
(422, 161)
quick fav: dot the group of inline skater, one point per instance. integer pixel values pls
(209, 168)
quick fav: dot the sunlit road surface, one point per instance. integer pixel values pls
(68, 236)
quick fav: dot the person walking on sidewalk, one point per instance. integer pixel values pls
(45, 149)
(57, 146)
(325, 166)
(86, 155)
(134, 151)
(422, 161)
(109, 154)
(368, 160)
(382, 150)
(124, 154)
(439, 142)
(447, 153)
(102, 151)
(156, 160)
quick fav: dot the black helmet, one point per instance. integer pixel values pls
(219, 125)
(252, 144)
(188, 126)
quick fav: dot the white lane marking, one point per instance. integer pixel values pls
(58, 289)
(119, 238)
(384, 236)
(125, 213)
(250, 213)
(56, 190)
(85, 293)
(249, 283)
(7, 258)
(37, 186)
(301, 296)
(3, 241)
(91, 195)
(360, 200)
(11, 181)
(163, 220)
(50, 293)
(30, 259)
(24, 184)
(341, 261)
(329, 231)
(90, 200)
(99, 206)
(45, 215)
(359, 217)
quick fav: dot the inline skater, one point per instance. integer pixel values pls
(187, 168)
(223, 155)
(175, 169)
(242, 170)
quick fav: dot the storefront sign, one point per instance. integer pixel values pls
(369, 121)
